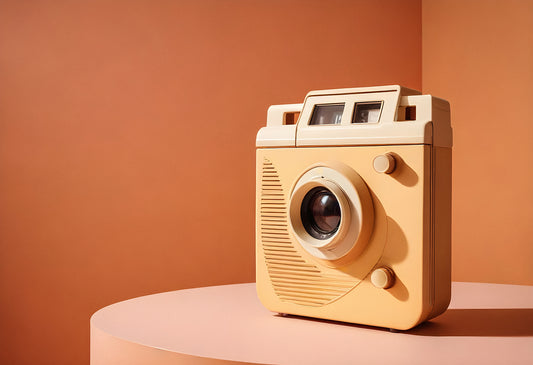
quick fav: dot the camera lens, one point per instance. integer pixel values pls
(320, 213)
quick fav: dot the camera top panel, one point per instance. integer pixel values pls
(359, 116)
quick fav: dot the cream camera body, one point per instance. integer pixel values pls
(353, 207)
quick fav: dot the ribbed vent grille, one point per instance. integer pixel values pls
(293, 278)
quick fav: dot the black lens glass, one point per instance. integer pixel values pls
(320, 213)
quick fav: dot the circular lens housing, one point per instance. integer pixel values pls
(320, 213)
(331, 214)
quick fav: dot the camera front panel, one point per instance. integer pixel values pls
(293, 279)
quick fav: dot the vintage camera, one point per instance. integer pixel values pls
(353, 207)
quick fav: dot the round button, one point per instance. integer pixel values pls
(382, 278)
(385, 164)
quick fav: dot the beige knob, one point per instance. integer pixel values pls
(385, 164)
(382, 278)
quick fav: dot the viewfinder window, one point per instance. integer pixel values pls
(327, 114)
(367, 112)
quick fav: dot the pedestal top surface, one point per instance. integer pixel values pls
(486, 323)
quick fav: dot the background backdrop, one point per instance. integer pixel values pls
(127, 139)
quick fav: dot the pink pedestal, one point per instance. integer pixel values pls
(486, 324)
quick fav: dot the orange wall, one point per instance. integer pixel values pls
(127, 133)
(479, 56)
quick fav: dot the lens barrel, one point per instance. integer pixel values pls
(320, 213)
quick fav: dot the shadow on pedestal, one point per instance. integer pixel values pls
(479, 322)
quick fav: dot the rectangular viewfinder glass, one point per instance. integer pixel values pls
(327, 114)
(367, 112)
